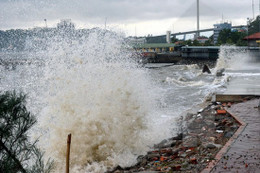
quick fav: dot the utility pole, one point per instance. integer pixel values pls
(45, 20)
(198, 19)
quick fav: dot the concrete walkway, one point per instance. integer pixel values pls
(240, 87)
(244, 153)
(244, 85)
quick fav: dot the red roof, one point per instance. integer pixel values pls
(255, 36)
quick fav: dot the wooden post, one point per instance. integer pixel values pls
(68, 154)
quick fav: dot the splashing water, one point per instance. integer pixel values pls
(93, 89)
(237, 62)
(236, 58)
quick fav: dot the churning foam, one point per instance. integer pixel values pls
(94, 90)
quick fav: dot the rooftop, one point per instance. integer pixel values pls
(155, 45)
(255, 36)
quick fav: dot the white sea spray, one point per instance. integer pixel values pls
(94, 90)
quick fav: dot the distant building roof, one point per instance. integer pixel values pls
(155, 45)
(255, 36)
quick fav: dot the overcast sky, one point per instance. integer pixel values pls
(134, 17)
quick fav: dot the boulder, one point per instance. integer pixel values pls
(220, 72)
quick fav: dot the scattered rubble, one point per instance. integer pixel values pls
(202, 136)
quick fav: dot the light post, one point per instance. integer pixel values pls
(248, 32)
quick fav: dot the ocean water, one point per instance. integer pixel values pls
(115, 108)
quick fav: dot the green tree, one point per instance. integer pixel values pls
(196, 43)
(17, 153)
(209, 42)
(226, 36)
(254, 26)
(187, 42)
(174, 39)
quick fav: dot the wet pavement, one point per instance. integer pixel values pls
(244, 86)
(244, 153)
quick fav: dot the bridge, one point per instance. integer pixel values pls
(196, 31)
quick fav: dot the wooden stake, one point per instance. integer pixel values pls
(68, 154)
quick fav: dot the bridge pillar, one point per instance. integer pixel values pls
(198, 19)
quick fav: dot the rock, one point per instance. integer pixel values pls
(196, 124)
(209, 123)
(193, 161)
(206, 69)
(220, 72)
(175, 167)
(183, 155)
(201, 110)
(219, 131)
(211, 145)
(162, 158)
(228, 134)
(152, 156)
(234, 127)
(199, 115)
(185, 164)
(141, 169)
(190, 141)
(212, 139)
(221, 111)
(166, 151)
(142, 160)
(117, 169)
(166, 144)
(178, 137)
(188, 116)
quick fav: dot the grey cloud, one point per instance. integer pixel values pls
(117, 11)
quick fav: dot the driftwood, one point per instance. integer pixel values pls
(68, 154)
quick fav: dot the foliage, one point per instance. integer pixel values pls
(254, 26)
(187, 42)
(209, 42)
(174, 39)
(196, 43)
(17, 153)
(226, 36)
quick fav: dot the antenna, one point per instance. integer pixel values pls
(135, 31)
(105, 23)
(253, 9)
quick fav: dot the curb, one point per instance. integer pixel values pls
(227, 146)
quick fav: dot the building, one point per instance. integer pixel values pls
(202, 39)
(135, 40)
(155, 47)
(168, 37)
(66, 24)
(219, 27)
(253, 40)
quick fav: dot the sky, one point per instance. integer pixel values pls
(132, 17)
